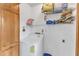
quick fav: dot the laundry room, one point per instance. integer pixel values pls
(47, 29)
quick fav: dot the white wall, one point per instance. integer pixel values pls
(25, 13)
(37, 15)
(54, 34)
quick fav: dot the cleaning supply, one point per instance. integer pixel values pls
(57, 10)
(47, 7)
(32, 49)
(29, 21)
(50, 21)
(64, 5)
(66, 12)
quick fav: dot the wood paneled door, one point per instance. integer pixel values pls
(9, 29)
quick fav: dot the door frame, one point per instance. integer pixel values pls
(18, 29)
(77, 32)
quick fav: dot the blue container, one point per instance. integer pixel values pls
(51, 22)
(47, 54)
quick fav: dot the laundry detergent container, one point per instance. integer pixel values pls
(32, 45)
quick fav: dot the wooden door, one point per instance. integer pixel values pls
(9, 40)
